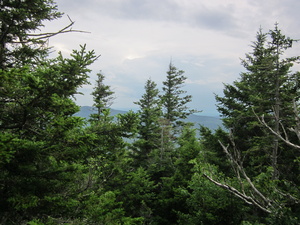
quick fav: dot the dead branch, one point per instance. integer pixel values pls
(254, 196)
(236, 162)
(40, 36)
(244, 197)
(277, 134)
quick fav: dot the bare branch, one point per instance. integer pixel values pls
(238, 165)
(245, 198)
(252, 195)
(66, 29)
(284, 139)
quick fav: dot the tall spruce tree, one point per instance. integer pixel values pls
(173, 99)
(268, 88)
(149, 130)
(265, 166)
(103, 97)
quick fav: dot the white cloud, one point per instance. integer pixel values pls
(138, 38)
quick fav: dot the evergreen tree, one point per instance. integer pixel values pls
(149, 130)
(42, 156)
(261, 162)
(175, 107)
(103, 97)
(268, 88)
(42, 145)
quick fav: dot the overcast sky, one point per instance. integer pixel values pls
(137, 39)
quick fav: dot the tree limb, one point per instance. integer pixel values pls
(41, 36)
(247, 199)
(277, 134)
(238, 165)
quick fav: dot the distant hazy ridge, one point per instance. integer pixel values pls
(207, 121)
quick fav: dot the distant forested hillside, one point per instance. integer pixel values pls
(207, 121)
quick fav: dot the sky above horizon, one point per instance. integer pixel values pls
(137, 39)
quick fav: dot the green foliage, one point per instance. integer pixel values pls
(57, 168)
(268, 88)
(137, 195)
(173, 99)
(156, 147)
(7, 148)
(208, 204)
(18, 19)
(102, 98)
(41, 156)
(149, 129)
(30, 99)
(212, 151)
(128, 123)
(188, 149)
(105, 209)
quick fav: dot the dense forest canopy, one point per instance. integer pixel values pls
(148, 167)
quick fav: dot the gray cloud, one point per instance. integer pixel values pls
(215, 19)
(137, 39)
